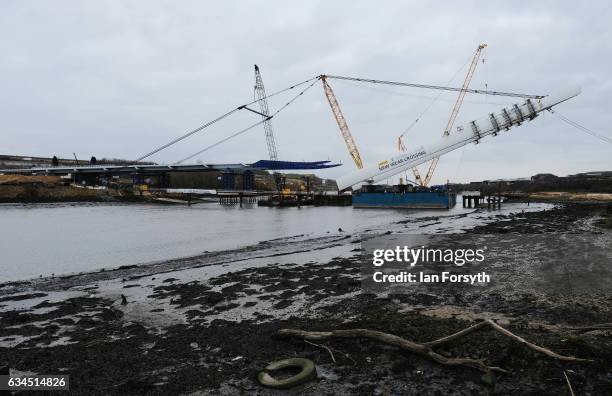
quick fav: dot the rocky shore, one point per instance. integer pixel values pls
(208, 324)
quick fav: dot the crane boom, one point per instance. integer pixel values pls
(456, 108)
(462, 91)
(471, 132)
(260, 94)
(342, 124)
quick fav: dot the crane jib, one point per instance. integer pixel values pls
(468, 133)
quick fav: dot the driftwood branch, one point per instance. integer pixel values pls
(536, 348)
(507, 333)
(324, 347)
(454, 336)
(389, 339)
(425, 349)
(569, 384)
(602, 326)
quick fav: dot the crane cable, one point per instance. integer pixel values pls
(434, 100)
(486, 72)
(316, 78)
(206, 125)
(438, 87)
(581, 127)
(425, 110)
(198, 129)
(418, 96)
(222, 141)
(251, 126)
(486, 84)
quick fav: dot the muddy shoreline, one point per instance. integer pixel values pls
(191, 326)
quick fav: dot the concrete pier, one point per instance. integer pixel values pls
(238, 198)
(474, 201)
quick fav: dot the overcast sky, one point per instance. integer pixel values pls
(119, 78)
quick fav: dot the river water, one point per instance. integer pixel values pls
(45, 239)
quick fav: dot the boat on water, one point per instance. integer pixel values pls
(403, 196)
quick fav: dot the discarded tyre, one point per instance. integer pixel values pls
(308, 372)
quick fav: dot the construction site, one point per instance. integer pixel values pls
(417, 201)
(232, 183)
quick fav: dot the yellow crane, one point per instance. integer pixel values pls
(342, 124)
(451, 120)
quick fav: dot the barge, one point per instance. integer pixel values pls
(404, 197)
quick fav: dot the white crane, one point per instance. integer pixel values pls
(471, 132)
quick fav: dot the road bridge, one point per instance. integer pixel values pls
(95, 174)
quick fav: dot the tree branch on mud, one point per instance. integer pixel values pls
(602, 326)
(324, 347)
(425, 349)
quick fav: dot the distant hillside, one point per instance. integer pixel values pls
(588, 182)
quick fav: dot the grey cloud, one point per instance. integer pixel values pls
(117, 78)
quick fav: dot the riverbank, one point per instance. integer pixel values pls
(562, 196)
(53, 194)
(49, 189)
(207, 324)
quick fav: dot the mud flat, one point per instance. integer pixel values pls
(208, 324)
